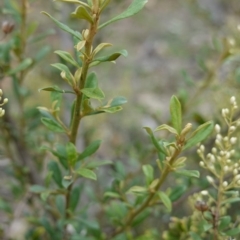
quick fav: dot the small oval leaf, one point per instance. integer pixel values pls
(165, 200)
(86, 173)
(200, 134)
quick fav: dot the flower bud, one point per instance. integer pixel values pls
(217, 128)
(201, 206)
(7, 27)
(225, 183)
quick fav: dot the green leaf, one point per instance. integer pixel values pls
(57, 176)
(74, 199)
(233, 232)
(75, 1)
(37, 189)
(87, 173)
(158, 145)
(112, 195)
(188, 173)
(100, 47)
(201, 133)
(166, 127)
(81, 13)
(111, 57)
(60, 206)
(104, 4)
(67, 57)
(133, 9)
(177, 192)
(26, 63)
(95, 164)
(115, 102)
(137, 189)
(108, 110)
(64, 27)
(195, 236)
(44, 195)
(176, 114)
(56, 99)
(148, 172)
(89, 150)
(52, 125)
(67, 181)
(91, 81)
(67, 74)
(165, 200)
(55, 89)
(230, 200)
(95, 93)
(224, 223)
(71, 153)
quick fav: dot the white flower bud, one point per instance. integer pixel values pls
(232, 100)
(232, 129)
(225, 112)
(233, 140)
(227, 155)
(218, 143)
(201, 164)
(232, 152)
(225, 139)
(225, 183)
(204, 192)
(236, 165)
(238, 182)
(214, 150)
(199, 152)
(225, 168)
(212, 159)
(235, 171)
(5, 100)
(210, 179)
(228, 160)
(202, 148)
(217, 128)
(2, 112)
(219, 137)
(222, 153)
(237, 177)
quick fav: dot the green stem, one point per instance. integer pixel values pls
(147, 202)
(79, 96)
(86, 62)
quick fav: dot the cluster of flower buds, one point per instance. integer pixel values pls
(5, 100)
(220, 161)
